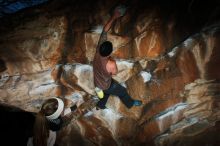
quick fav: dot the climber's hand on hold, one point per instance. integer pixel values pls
(119, 11)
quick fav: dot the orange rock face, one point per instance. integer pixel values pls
(163, 61)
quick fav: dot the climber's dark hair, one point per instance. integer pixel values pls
(105, 49)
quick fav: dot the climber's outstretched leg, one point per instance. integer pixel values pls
(121, 92)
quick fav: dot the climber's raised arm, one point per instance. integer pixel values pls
(108, 25)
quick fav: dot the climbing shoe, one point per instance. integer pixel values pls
(137, 103)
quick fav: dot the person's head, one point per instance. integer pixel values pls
(105, 49)
(51, 110)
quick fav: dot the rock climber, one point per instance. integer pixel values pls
(104, 66)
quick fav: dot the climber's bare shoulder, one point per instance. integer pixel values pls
(111, 67)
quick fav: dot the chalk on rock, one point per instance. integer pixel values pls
(146, 76)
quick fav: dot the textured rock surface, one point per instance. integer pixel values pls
(201, 117)
(168, 63)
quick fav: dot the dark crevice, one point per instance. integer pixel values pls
(2, 65)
